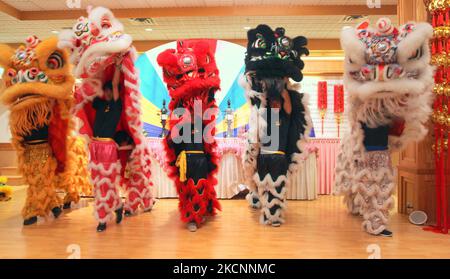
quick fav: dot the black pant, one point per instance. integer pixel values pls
(276, 165)
(273, 164)
(197, 167)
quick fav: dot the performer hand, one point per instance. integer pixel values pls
(115, 82)
(116, 76)
(118, 61)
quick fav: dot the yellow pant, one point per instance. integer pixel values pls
(75, 178)
(38, 168)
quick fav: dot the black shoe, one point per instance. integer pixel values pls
(119, 215)
(386, 233)
(56, 211)
(101, 227)
(30, 221)
(127, 213)
(66, 205)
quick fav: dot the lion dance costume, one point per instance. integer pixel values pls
(192, 79)
(38, 92)
(271, 59)
(96, 42)
(389, 81)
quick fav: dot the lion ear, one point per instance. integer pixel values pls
(6, 53)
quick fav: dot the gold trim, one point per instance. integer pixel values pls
(103, 139)
(36, 141)
(272, 152)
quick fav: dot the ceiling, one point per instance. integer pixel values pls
(172, 28)
(324, 27)
(40, 5)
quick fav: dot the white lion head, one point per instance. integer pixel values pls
(95, 41)
(384, 61)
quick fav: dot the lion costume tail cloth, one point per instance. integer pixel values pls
(38, 92)
(389, 82)
(96, 42)
(192, 79)
(271, 58)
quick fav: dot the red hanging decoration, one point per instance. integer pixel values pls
(322, 99)
(440, 11)
(338, 105)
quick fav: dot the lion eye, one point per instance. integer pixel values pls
(11, 73)
(79, 26)
(55, 61)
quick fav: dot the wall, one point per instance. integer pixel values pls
(5, 135)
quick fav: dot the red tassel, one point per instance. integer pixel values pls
(447, 17)
(322, 99)
(433, 47)
(440, 47)
(440, 19)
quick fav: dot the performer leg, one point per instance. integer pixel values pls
(253, 199)
(38, 168)
(67, 181)
(375, 190)
(250, 165)
(75, 178)
(137, 185)
(271, 181)
(191, 202)
(344, 184)
(138, 194)
(196, 193)
(105, 170)
(212, 204)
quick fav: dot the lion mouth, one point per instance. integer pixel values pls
(23, 97)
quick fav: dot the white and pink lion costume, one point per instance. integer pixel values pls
(96, 42)
(389, 81)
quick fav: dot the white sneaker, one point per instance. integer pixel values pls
(192, 227)
(276, 224)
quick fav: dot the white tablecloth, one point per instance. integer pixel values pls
(302, 186)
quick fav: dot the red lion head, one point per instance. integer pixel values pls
(190, 70)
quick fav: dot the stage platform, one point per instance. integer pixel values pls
(314, 229)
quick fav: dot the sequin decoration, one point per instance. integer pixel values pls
(375, 160)
(381, 47)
